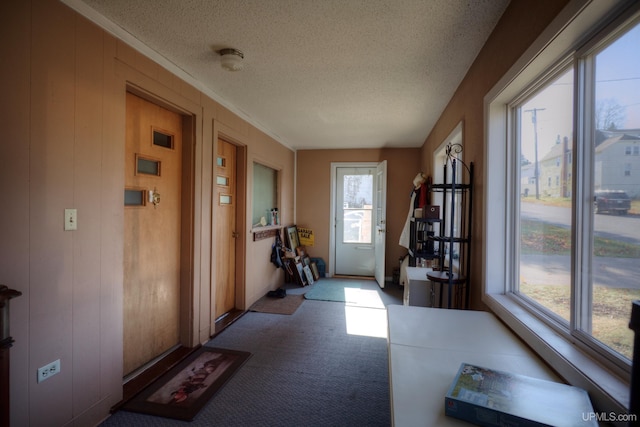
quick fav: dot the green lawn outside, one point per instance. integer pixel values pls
(611, 306)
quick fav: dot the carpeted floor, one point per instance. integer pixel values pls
(306, 369)
(363, 293)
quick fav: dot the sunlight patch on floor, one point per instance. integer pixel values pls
(363, 298)
(365, 313)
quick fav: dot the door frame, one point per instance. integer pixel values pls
(220, 131)
(187, 223)
(332, 207)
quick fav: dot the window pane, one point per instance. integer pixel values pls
(265, 194)
(134, 197)
(358, 208)
(545, 189)
(616, 230)
(162, 140)
(148, 167)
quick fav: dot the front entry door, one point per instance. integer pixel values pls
(225, 227)
(152, 220)
(354, 245)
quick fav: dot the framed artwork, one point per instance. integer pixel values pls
(308, 274)
(314, 270)
(292, 237)
(301, 277)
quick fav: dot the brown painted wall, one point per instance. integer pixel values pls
(313, 194)
(519, 26)
(63, 112)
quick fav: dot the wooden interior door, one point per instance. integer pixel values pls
(152, 231)
(225, 227)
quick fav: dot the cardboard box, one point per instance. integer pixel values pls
(488, 397)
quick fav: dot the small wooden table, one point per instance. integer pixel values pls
(426, 348)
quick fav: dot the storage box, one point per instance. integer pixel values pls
(431, 212)
(488, 397)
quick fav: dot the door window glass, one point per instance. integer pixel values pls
(357, 208)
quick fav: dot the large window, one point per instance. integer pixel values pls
(545, 122)
(564, 195)
(608, 244)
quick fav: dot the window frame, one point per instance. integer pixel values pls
(581, 25)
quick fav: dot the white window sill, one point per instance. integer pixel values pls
(609, 393)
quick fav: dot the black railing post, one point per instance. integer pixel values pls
(634, 404)
(5, 343)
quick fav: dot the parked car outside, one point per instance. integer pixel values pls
(612, 201)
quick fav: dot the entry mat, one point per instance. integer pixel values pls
(184, 390)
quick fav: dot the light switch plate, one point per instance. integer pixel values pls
(70, 219)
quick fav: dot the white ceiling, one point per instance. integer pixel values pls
(317, 73)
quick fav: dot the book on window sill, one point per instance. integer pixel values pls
(488, 397)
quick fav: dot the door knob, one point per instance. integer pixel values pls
(235, 234)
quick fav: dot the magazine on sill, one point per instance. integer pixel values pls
(488, 397)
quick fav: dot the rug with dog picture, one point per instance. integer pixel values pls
(184, 390)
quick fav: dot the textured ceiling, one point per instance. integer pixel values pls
(317, 73)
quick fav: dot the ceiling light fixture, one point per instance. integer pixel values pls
(231, 59)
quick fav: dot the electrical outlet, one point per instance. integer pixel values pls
(48, 371)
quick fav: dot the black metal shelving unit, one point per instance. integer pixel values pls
(422, 239)
(448, 238)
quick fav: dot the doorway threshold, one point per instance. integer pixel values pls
(139, 380)
(226, 320)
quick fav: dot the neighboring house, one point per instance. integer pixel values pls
(616, 166)
(555, 170)
(617, 162)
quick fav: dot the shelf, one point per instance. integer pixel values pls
(426, 220)
(424, 254)
(445, 277)
(444, 239)
(447, 187)
(260, 233)
(428, 236)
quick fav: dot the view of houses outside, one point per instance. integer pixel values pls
(617, 166)
(608, 281)
(358, 208)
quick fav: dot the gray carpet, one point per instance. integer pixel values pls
(305, 370)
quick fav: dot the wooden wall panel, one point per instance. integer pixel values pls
(89, 72)
(51, 191)
(112, 221)
(15, 25)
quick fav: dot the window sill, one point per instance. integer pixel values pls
(609, 393)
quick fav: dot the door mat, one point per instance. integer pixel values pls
(286, 305)
(184, 390)
(363, 293)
